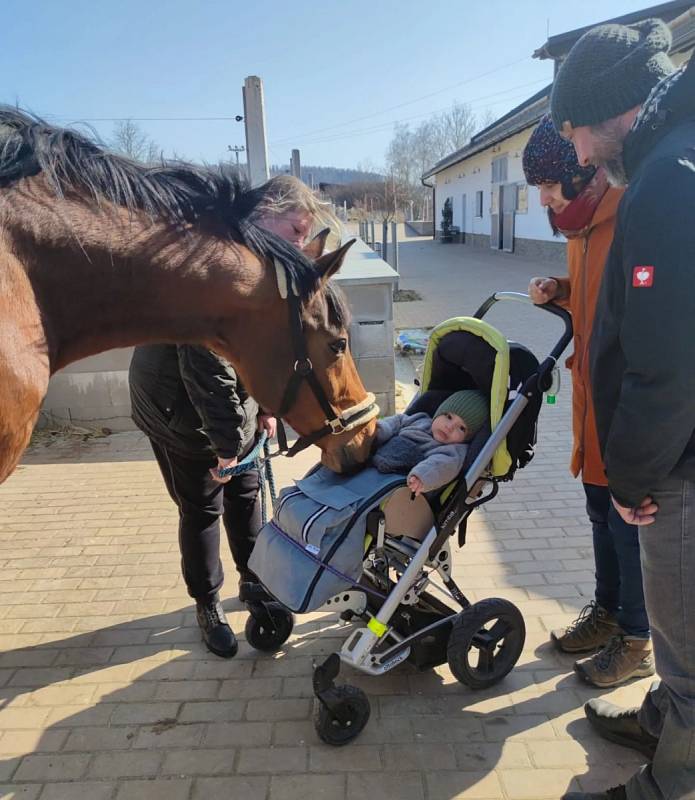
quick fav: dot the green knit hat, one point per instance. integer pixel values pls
(468, 404)
(610, 70)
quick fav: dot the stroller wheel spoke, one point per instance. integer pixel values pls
(486, 659)
(499, 630)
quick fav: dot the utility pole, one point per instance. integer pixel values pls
(236, 150)
(254, 120)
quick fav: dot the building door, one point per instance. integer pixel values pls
(508, 206)
(495, 219)
(463, 217)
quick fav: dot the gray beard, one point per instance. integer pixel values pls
(615, 171)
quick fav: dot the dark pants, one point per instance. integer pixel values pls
(201, 501)
(668, 711)
(618, 569)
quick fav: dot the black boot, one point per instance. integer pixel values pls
(217, 635)
(616, 793)
(251, 590)
(620, 725)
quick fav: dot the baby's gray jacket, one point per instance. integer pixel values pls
(439, 464)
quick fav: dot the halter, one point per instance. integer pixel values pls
(336, 421)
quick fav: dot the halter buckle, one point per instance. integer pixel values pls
(336, 425)
(303, 367)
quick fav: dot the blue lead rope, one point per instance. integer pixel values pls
(254, 460)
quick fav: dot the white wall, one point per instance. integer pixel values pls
(475, 174)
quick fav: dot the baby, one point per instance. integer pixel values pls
(431, 450)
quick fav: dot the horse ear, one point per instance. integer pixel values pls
(326, 266)
(317, 245)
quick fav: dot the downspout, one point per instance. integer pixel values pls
(433, 187)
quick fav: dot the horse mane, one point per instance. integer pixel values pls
(212, 198)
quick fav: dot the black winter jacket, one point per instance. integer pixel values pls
(191, 401)
(643, 340)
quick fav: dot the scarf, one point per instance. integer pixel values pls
(575, 220)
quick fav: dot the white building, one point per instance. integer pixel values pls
(492, 205)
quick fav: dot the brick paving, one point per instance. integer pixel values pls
(107, 692)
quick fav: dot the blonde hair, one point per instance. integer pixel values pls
(285, 193)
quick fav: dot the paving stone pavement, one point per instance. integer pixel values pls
(107, 692)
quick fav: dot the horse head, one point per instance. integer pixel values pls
(300, 367)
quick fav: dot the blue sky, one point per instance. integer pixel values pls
(336, 75)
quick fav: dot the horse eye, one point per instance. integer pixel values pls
(339, 346)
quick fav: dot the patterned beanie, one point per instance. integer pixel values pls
(548, 158)
(468, 404)
(610, 70)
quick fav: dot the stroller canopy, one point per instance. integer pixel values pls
(468, 353)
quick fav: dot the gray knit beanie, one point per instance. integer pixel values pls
(610, 70)
(468, 404)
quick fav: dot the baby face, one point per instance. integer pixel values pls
(449, 428)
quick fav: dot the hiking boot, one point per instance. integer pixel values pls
(253, 592)
(622, 659)
(616, 793)
(620, 725)
(592, 629)
(219, 638)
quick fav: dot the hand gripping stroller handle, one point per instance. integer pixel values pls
(552, 308)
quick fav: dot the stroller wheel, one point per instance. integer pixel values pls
(342, 716)
(485, 643)
(269, 626)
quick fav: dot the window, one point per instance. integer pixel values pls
(499, 169)
(479, 204)
(521, 198)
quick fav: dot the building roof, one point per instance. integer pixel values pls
(558, 46)
(530, 111)
(518, 119)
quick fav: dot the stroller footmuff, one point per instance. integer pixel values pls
(363, 546)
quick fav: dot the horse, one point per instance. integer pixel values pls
(98, 251)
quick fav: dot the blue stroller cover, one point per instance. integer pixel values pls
(318, 529)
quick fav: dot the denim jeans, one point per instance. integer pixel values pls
(668, 711)
(617, 556)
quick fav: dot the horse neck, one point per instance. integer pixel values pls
(110, 280)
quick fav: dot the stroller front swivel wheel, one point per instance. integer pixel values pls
(485, 643)
(269, 626)
(341, 716)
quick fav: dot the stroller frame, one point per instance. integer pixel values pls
(341, 712)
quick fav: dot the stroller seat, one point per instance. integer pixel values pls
(363, 546)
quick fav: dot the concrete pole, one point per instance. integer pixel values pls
(345, 210)
(385, 241)
(373, 237)
(295, 166)
(394, 245)
(254, 121)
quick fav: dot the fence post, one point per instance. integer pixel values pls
(385, 241)
(394, 244)
(371, 225)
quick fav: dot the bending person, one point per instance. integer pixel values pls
(198, 417)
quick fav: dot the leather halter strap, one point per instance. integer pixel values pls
(336, 421)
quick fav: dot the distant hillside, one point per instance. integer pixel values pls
(329, 174)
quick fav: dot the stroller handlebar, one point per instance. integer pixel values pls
(552, 308)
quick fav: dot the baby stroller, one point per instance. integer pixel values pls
(363, 546)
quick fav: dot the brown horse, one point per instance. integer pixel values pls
(97, 251)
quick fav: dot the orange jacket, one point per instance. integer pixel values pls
(586, 258)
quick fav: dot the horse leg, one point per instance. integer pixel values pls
(24, 374)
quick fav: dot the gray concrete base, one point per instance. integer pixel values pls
(421, 227)
(554, 252)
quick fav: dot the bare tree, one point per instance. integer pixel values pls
(412, 152)
(130, 140)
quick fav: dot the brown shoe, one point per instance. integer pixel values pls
(620, 660)
(593, 628)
